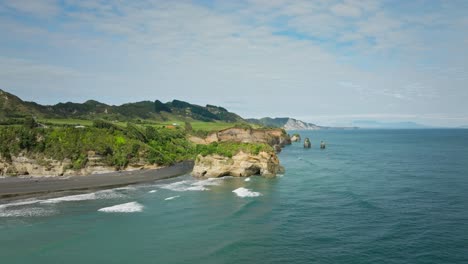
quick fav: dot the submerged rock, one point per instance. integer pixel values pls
(240, 165)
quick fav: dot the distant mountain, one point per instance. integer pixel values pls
(12, 106)
(388, 125)
(286, 123)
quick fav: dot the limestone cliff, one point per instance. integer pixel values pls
(271, 137)
(293, 124)
(240, 165)
(40, 167)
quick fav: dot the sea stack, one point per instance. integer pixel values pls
(296, 138)
(322, 145)
(307, 143)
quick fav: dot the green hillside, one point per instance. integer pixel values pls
(12, 109)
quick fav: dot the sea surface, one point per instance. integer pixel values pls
(372, 196)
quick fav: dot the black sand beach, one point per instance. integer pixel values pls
(12, 187)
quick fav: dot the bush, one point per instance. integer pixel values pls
(229, 149)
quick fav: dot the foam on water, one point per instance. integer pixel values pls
(131, 207)
(18, 209)
(105, 194)
(152, 191)
(171, 198)
(27, 212)
(243, 192)
(191, 185)
(72, 198)
(247, 179)
(126, 188)
(19, 203)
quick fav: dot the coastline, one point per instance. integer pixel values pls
(15, 187)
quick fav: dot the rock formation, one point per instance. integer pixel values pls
(271, 137)
(296, 138)
(322, 145)
(39, 167)
(240, 165)
(307, 143)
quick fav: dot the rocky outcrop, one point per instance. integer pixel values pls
(296, 138)
(22, 165)
(240, 165)
(307, 143)
(271, 137)
(39, 167)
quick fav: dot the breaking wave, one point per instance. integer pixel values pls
(192, 185)
(105, 194)
(243, 192)
(171, 198)
(132, 207)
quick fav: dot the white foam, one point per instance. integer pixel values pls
(243, 192)
(208, 182)
(176, 186)
(197, 185)
(247, 179)
(19, 203)
(132, 207)
(197, 188)
(171, 198)
(72, 198)
(106, 194)
(152, 191)
(27, 212)
(125, 188)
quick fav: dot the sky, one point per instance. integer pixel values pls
(327, 62)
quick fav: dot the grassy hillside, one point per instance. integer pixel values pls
(119, 145)
(12, 107)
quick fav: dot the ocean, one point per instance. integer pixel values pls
(372, 196)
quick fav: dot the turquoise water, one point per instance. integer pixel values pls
(370, 197)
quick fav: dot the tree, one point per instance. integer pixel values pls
(188, 127)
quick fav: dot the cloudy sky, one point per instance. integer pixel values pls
(327, 62)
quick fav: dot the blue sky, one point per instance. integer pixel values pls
(327, 62)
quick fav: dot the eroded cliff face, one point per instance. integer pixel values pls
(240, 165)
(38, 167)
(271, 137)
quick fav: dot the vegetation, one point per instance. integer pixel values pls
(229, 149)
(118, 146)
(145, 132)
(13, 107)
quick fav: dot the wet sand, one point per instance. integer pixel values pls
(12, 186)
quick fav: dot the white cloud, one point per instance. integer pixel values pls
(346, 10)
(40, 8)
(183, 50)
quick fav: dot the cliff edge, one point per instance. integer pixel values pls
(240, 165)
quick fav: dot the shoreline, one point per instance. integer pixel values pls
(17, 187)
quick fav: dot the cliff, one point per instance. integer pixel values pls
(271, 137)
(40, 167)
(240, 152)
(293, 124)
(240, 165)
(285, 123)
